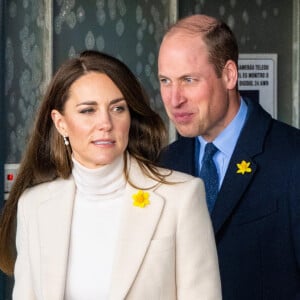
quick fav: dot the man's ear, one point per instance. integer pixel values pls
(59, 122)
(230, 75)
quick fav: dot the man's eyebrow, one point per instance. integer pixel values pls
(181, 76)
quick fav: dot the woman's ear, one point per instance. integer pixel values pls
(230, 75)
(59, 122)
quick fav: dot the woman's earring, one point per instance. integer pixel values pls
(66, 141)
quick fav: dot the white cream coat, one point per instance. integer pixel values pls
(165, 251)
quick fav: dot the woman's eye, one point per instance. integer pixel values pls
(87, 110)
(119, 108)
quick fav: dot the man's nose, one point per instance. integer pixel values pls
(176, 96)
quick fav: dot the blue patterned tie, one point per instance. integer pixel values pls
(209, 175)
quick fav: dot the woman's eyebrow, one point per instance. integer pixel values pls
(92, 102)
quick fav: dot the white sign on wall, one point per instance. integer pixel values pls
(258, 79)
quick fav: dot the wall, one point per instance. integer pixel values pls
(25, 74)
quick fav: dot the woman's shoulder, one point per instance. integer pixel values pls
(171, 177)
(177, 176)
(37, 193)
(45, 185)
(181, 190)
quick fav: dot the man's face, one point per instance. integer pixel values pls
(196, 100)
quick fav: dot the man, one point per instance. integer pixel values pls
(256, 212)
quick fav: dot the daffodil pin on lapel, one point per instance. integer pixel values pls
(243, 167)
(141, 199)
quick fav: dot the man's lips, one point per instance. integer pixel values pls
(182, 117)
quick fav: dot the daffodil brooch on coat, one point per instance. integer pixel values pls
(243, 167)
(141, 199)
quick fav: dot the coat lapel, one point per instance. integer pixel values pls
(232, 189)
(136, 231)
(250, 144)
(55, 217)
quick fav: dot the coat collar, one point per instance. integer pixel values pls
(137, 224)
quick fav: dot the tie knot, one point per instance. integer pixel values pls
(209, 152)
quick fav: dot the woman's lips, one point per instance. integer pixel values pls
(103, 142)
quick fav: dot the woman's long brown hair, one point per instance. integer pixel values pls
(46, 157)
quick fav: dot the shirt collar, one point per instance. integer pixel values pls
(227, 139)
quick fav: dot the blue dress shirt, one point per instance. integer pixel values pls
(225, 142)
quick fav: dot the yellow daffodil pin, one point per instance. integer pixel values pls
(141, 199)
(243, 167)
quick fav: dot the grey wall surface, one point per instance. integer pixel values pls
(24, 70)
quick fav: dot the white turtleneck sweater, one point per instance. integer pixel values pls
(95, 227)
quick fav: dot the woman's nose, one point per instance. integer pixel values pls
(104, 121)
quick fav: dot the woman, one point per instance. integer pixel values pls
(96, 219)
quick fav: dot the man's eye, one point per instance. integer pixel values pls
(189, 79)
(164, 81)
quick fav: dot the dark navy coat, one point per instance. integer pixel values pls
(256, 218)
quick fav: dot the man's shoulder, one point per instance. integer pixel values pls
(286, 137)
(260, 127)
(286, 128)
(182, 143)
(176, 150)
(178, 155)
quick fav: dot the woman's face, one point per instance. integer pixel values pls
(96, 120)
